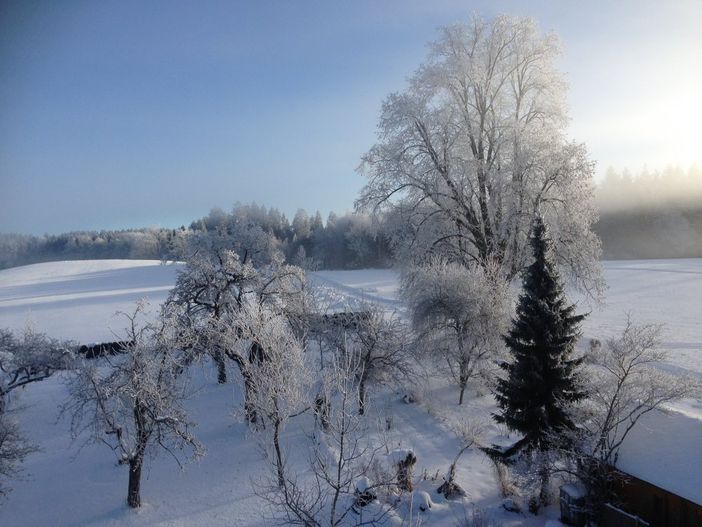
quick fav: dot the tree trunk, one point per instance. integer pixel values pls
(221, 367)
(137, 459)
(278, 454)
(249, 391)
(322, 407)
(464, 370)
(543, 492)
(463, 389)
(362, 396)
(133, 495)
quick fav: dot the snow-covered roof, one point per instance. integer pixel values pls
(665, 449)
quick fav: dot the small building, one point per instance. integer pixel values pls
(660, 475)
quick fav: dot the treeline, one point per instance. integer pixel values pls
(151, 243)
(651, 214)
(348, 241)
(646, 215)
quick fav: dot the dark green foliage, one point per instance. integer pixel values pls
(542, 379)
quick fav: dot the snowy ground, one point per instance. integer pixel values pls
(77, 300)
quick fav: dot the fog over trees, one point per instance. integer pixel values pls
(646, 214)
(651, 214)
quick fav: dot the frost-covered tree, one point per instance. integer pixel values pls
(476, 145)
(280, 378)
(213, 283)
(27, 358)
(543, 381)
(216, 283)
(459, 313)
(133, 402)
(379, 346)
(624, 383)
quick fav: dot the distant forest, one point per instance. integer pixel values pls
(647, 215)
(349, 241)
(651, 214)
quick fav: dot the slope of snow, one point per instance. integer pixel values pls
(667, 292)
(71, 486)
(78, 300)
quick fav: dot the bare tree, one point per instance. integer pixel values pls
(458, 312)
(133, 402)
(476, 146)
(379, 345)
(280, 377)
(342, 483)
(29, 358)
(624, 385)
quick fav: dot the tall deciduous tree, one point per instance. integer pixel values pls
(476, 145)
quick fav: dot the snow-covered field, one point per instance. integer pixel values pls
(66, 485)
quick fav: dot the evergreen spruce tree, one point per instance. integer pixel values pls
(542, 380)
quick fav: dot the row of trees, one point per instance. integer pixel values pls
(348, 241)
(646, 215)
(153, 243)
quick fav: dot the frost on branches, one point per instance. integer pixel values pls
(24, 359)
(624, 384)
(459, 314)
(216, 285)
(133, 402)
(475, 145)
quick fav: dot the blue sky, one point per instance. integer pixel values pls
(125, 114)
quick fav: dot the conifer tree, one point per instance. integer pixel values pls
(542, 381)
